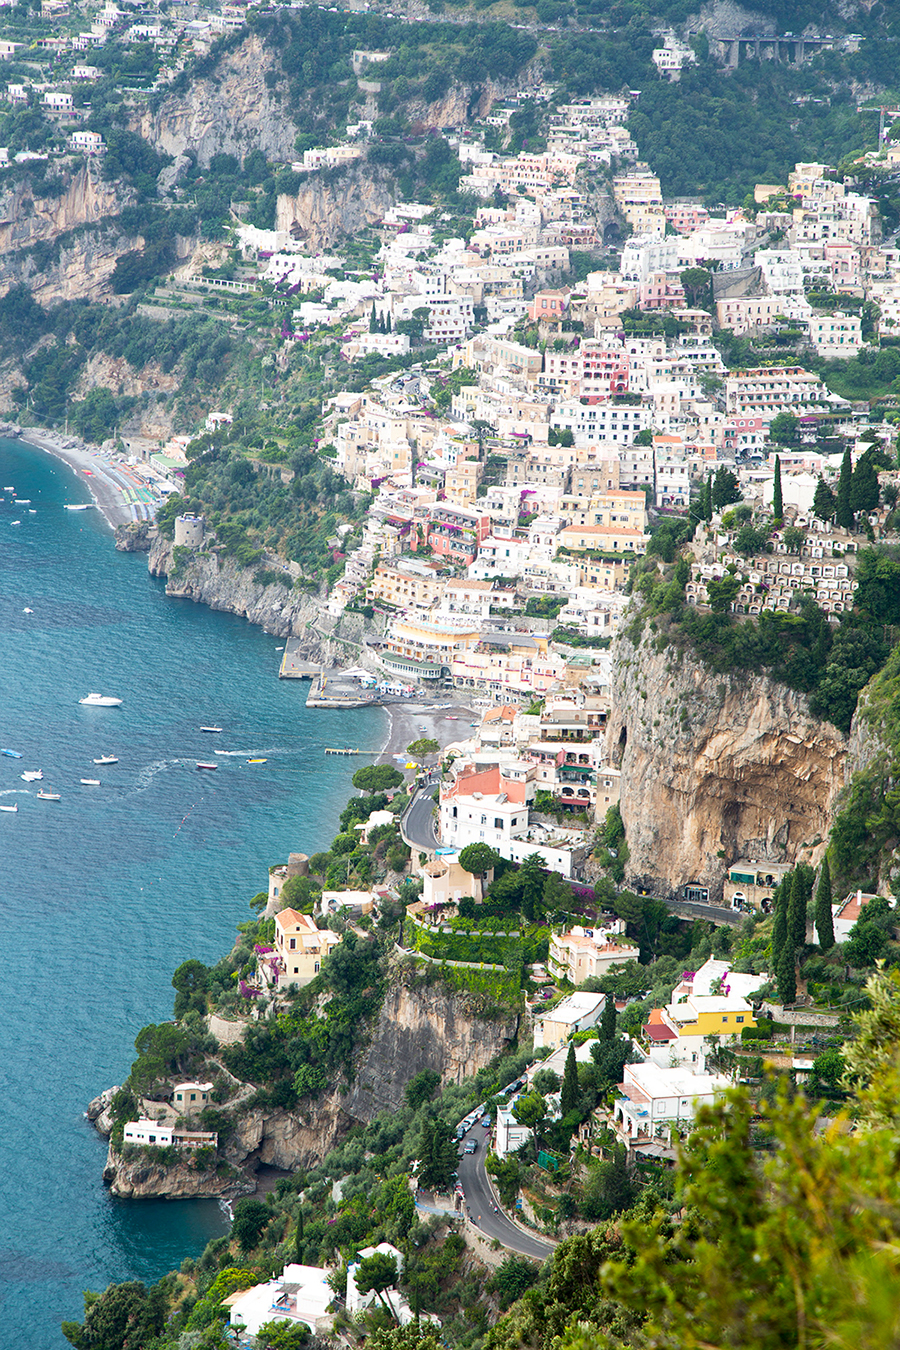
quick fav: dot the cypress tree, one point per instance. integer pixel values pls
(823, 501)
(844, 511)
(796, 911)
(568, 1097)
(608, 1019)
(777, 503)
(824, 917)
(298, 1237)
(779, 928)
(707, 501)
(373, 320)
(786, 973)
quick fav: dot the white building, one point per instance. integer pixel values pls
(301, 1295)
(653, 1100)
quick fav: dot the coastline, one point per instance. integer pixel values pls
(112, 483)
(446, 721)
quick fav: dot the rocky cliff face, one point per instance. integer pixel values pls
(715, 768)
(231, 111)
(430, 1028)
(220, 583)
(417, 1028)
(328, 208)
(63, 247)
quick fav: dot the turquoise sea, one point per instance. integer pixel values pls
(103, 893)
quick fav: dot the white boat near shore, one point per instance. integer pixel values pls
(90, 782)
(80, 506)
(210, 728)
(49, 796)
(100, 701)
(32, 775)
(106, 759)
(10, 808)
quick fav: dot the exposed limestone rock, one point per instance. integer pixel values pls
(430, 1028)
(135, 537)
(99, 1112)
(327, 207)
(715, 767)
(417, 1028)
(142, 1178)
(219, 582)
(231, 111)
(114, 372)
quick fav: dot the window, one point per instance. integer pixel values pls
(293, 944)
(296, 970)
(725, 1018)
(318, 968)
(193, 1096)
(739, 1019)
(498, 822)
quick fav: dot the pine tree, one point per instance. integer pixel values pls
(786, 973)
(568, 1097)
(796, 911)
(608, 1019)
(844, 511)
(824, 916)
(777, 503)
(779, 927)
(823, 501)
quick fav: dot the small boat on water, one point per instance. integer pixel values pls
(15, 522)
(207, 766)
(10, 808)
(22, 501)
(32, 775)
(210, 728)
(257, 761)
(100, 701)
(13, 754)
(79, 506)
(31, 511)
(26, 610)
(106, 759)
(9, 489)
(49, 796)
(91, 782)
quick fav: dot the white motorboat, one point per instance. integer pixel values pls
(210, 728)
(207, 766)
(49, 796)
(26, 610)
(32, 775)
(80, 506)
(91, 782)
(9, 489)
(100, 701)
(106, 759)
(22, 501)
(15, 522)
(10, 808)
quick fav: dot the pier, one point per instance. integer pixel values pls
(331, 750)
(293, 666)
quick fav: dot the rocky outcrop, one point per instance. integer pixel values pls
(417, 1028)
(423, 1028)
(212, 579)
(715, 767)
(135, 537)
(334, 205)
(233, 110)
(136, 1175)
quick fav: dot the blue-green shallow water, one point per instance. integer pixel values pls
(103, 893)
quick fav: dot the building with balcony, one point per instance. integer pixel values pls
(653, 1100)
(299, 1296)
(154, 1135)
(300, 949)
(585, 953)
(750, 885)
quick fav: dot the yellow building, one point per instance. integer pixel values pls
(603, 539)
(301, 947)
(416, 587)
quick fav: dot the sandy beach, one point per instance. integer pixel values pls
(444, 720)
(114, 484)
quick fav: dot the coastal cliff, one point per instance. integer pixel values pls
(212, 579)
(715, 767)
(417, 1028)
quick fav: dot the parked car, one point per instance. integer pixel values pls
(471, 1146)
(486, 1122)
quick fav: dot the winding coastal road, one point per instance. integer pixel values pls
(418, 824)
(480, 1203)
